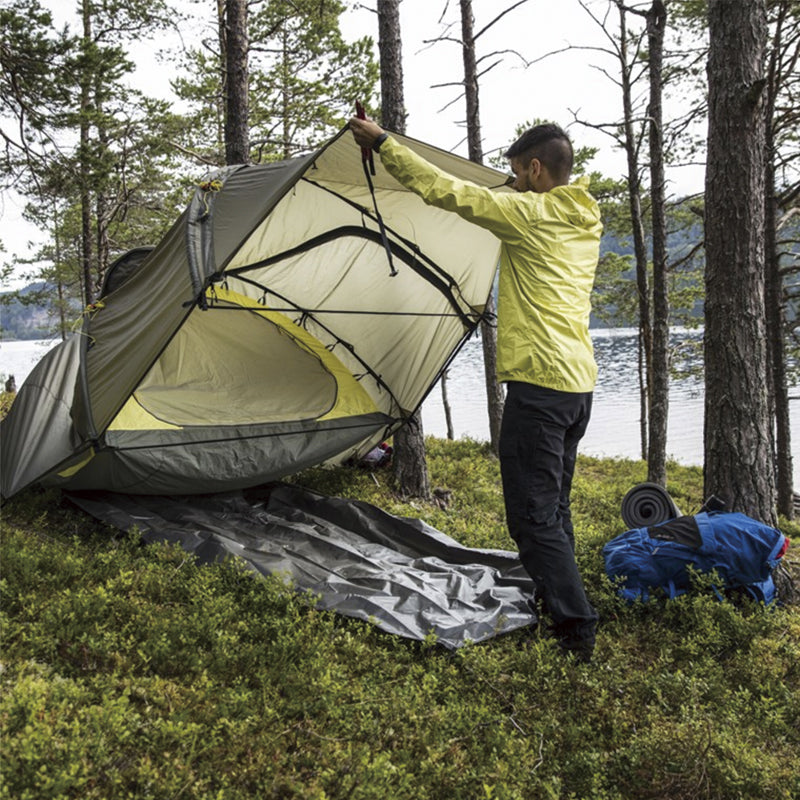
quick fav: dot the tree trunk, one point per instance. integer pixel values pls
(102, 211)
(219, 99)
(494, 392)
(639, 245)
(471, 83)
(410, 461)
(237, 134)
(778, 382)
(62, 304)
(410, 465)
(659, 379)
(775, 312)
(643, 404)
(85, 168)
(739, 467)
(103, 246)
(393, 111)
(448, 414)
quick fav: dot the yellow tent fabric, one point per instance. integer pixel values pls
(245, 372)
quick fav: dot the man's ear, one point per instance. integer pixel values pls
(535, 167)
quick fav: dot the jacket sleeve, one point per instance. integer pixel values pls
(500, 213)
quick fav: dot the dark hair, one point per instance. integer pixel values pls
(550, 144)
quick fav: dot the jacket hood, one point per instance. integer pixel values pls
(575, 205)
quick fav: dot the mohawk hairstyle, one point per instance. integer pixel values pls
(550, 144)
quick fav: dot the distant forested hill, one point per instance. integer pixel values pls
(22, 317)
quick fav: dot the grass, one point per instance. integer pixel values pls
(130, 671)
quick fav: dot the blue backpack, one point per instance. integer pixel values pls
(742, 550)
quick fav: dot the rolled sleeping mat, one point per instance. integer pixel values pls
(648, 504)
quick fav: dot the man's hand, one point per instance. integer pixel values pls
(365, 131)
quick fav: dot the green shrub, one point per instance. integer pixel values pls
(131, 671)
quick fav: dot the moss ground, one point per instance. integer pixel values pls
(129, 671)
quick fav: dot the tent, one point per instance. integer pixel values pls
(297, 313)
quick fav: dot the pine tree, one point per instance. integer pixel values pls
(409, 460)
(739, 458)
(86, 142)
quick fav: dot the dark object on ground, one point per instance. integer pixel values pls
(379, 456)
(405, 576)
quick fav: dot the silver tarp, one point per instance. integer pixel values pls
(399, 573)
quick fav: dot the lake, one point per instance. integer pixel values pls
(614, 428)
(613, 431)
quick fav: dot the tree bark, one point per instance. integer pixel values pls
(775, 311)
(739, 465)
(448, 414)
(62, 306)
(659, 379)
(219, 98)
(494, 391)
(102, 213)
(495, 397)
(85, 168)
(410, 460)
(393, 112)
(639, 244)
(237, 133)
(475, 148)
(410, 465)
(778, 382)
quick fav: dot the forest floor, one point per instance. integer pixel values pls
(130, 671)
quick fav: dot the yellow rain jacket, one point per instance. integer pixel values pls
(550, 247)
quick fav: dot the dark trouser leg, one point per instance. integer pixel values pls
(571, 439)
(538, 447)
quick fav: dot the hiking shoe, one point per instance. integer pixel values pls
(581, 653)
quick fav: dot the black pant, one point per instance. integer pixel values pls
(538, 447)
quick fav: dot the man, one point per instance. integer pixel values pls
(550, 234)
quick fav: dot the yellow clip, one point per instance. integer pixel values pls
(93, 308)
(211, 186)
(208, 187)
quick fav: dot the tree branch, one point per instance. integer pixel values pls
(186, 151)
(498, 18)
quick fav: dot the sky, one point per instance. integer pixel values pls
(510, 93)
(558, 88)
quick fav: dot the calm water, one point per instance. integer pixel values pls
(614, 429)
